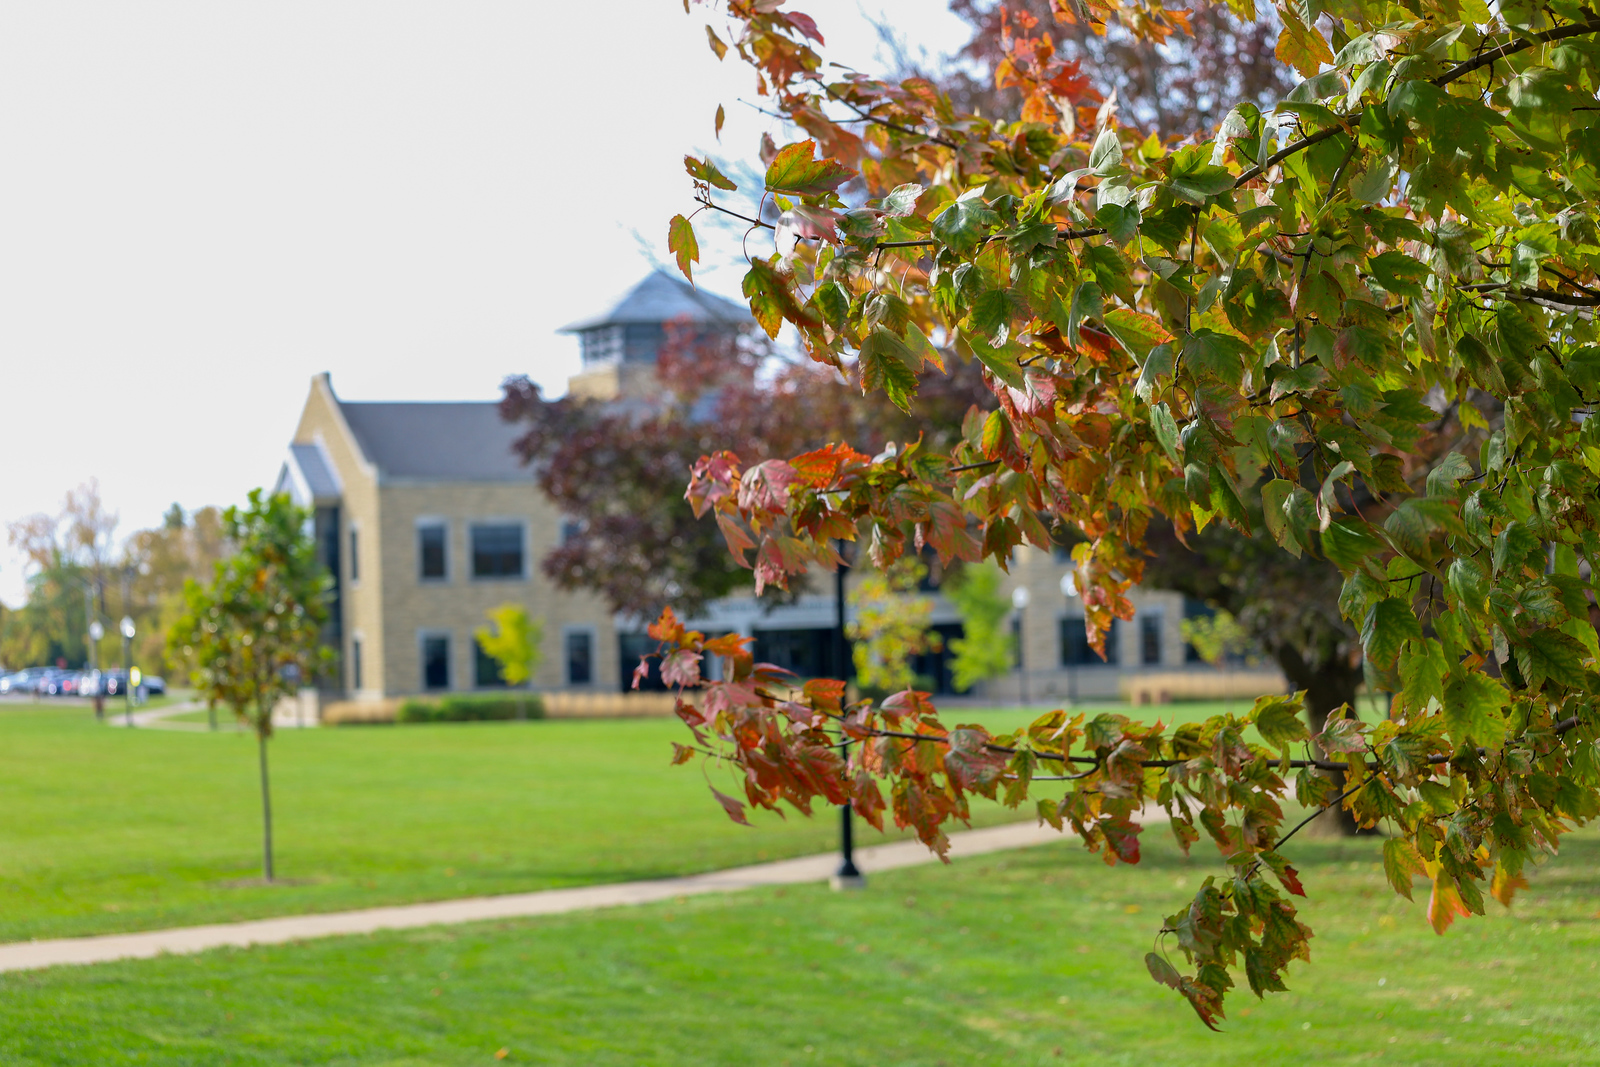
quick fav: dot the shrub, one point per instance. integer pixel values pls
(471, 708)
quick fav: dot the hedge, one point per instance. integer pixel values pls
(471, 708)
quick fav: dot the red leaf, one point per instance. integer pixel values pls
(681, 668)
(734, 809)
(794, 170)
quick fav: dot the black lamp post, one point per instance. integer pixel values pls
(1019, 600)
(1069, 589)
(848, 876)
(127, 668)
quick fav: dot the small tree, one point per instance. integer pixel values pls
(891, 626)
(985, 648)
(516, 642)
(255, 632)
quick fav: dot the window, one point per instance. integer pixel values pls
(497, 550)
(430, 552)
(355, 554)
(486, 670)
(580, 657)
(1075, 649)
(571, 530)
(355, 663)
(436, 661)
(1150, 637)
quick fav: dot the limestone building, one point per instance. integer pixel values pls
(427, 520)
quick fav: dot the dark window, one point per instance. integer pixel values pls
(1075, 649)
(497, 550)
(355, 663)
(571, 530)
(430, 551)
(355, 555)
(580, 657)
(1150, 638)
(486, 670)
(436, 662)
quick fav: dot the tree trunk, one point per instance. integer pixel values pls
(1329, 687)
(266, 810)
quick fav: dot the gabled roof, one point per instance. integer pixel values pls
(662, 298)
(316, 470)
(458, 442)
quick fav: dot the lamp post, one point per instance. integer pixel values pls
(127, 668)
(1069, 589)
(1019, 600)
(847, 876)
(96, 632)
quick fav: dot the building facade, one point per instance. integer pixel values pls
(427, 520)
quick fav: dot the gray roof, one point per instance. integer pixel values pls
(660, 297)
(465, 442)
(313, 465)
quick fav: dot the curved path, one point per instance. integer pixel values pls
(30, 955)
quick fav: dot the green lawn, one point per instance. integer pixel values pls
(106, 830)
(1028, 958)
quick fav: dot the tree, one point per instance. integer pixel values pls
(516, 643)
(891, 626)
(985, 648)
(1286, 311)
(617, 467)
(254, 634)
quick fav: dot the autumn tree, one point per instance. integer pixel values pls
(617, 467)
(253, 635)
(1170, 325)
(892, 625)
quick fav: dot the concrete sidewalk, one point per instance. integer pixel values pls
(30, 955)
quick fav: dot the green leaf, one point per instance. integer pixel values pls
(1348, 544)
(1401, 860)
(1161, 970)
(962, 225)
(1468, 582)
(1277, 718)
(1422, 671)
(1219, 356)
(1399, 273)
(1474, 707)
(1550, 655)
(1388, 625)
(885, 364)
(1225, 501)
(991, 316)
(1274, 498)
(1105, 158)
(706, 171)
(1135, 331)
(902, 200)
(1166, 430)
(680, 240)
(793, 170)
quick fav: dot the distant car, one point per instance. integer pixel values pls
(56, 682)
(154, 685)
(23, 681)
(112, 683)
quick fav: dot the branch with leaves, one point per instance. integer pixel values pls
(1366, 310)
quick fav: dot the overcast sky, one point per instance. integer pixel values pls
(204, 204)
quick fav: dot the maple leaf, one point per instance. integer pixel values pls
(680, 240)
(793, 170)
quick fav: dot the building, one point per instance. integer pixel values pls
(428, 520)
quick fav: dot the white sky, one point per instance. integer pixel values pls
(203, 204)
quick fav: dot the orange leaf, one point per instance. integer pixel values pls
(1445, 903)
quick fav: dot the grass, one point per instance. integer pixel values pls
(108, 830)
(1028, 958)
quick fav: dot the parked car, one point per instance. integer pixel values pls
(113, 682)
(59, 683)
(154, 685)
(23, 681)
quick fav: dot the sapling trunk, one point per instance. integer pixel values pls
(266, 807)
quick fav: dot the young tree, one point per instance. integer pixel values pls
(891, 626)
(1325, 301)
(985, 648)
(516, 642)
(254, 634)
